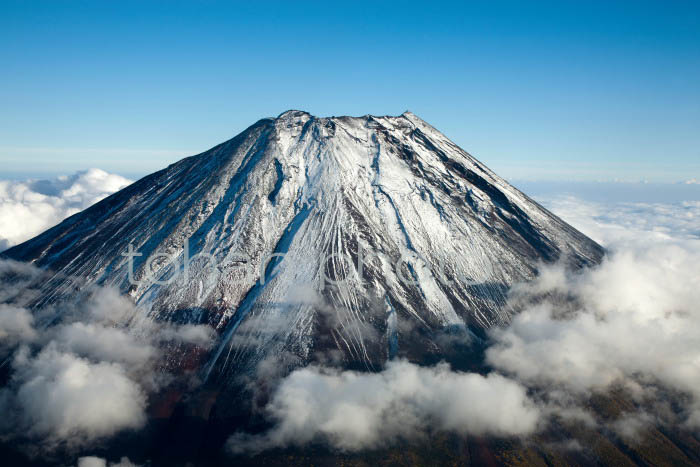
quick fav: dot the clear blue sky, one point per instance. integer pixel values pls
(558, 90)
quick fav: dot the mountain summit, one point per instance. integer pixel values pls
(363, 238)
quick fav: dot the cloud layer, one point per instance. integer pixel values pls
(29, 207)
(617, 224)
(354, 411)
(632, 322)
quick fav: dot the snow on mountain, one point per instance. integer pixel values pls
(375, 235)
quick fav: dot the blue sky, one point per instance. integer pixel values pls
(537, 90)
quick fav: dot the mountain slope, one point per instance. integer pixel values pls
(441, 238)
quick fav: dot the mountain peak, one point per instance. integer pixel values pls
(286, 211)
(293, 113)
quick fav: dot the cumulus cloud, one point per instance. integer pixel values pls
(16, 326)
(64, 397)
(632, 322)
(87, 376)
(29, 207)
(354, 411)
(104, 343)
(93, 461)
(636, 305)
(79, 382)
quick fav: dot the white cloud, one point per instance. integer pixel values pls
(86, 377)
(29, 207)
(16, 326)
(65, 397)
(104, 343)
(76, 382)
(93, 461)
(636, 313)
(633, 321)
(107, 305)
(614, 224)
(354, 411)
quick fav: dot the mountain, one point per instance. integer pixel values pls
(342, 243)
(356, 221)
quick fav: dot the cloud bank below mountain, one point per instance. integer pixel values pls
(354, 411)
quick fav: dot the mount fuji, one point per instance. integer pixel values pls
(313, 237)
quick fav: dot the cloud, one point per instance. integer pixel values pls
(354, 411)
(61, 397)
(29, 207)
(632, 314)
(104, 343)
(77, 382)
(200, 335)
(18, 282)
(614, 224)
(632, 322)
(87, 376)
(92, 461)
(16, 326)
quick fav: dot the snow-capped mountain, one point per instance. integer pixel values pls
(375, 234)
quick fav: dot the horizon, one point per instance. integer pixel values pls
(528, 181)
